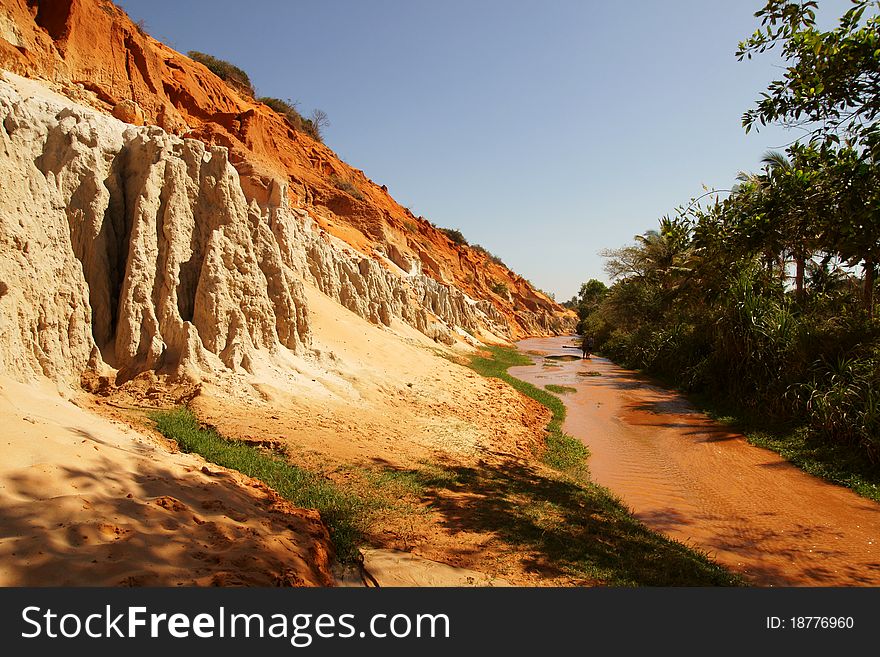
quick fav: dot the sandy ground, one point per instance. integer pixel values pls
(705, 485)
(393, 399)
(87, 501)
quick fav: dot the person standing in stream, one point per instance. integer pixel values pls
(587, 345)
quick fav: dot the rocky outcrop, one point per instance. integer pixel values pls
(137, 248)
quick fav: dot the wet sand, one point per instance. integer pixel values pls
(696, 481)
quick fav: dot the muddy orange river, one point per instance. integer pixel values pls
(694, 480)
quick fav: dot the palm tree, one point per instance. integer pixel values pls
(753, 209)
(789, 188)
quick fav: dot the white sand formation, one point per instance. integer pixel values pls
(133, 247)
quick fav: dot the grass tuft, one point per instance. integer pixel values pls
(347, 186)
(231, 74)
(559, 390)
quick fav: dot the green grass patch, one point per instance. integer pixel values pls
(343, 512)
(839, 464)
(563, 452)
(559, 390)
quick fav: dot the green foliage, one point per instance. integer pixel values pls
(706, 303)
(842, 402)
(832, 82)
(585, 303)
(341, 511)
(288, 110)
(560, 390)
(494, 258)
(229, 73)
(754, 299)
(345, 185)
(835, 462)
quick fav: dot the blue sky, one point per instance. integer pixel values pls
(545, 131)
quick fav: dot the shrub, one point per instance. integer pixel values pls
(455, 235)
(229, 73)
(500, 288)
(494, 258)
(842, 403)
(288, 110)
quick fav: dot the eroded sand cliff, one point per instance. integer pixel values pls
(134, 267)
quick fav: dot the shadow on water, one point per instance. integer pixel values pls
(779, 529)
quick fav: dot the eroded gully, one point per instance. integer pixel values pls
(696, 481)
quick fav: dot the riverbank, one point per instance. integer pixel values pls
(701, 482)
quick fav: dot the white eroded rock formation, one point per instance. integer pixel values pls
(134, 247)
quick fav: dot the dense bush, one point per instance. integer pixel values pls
(809, 359)
(492, 257)
(766, 299)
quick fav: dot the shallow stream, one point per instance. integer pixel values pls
(698, 482)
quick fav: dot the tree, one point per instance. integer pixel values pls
(591, 293)
(751, 212)
(792, 186)
(831, 86)
(319, 120)
(587, 300)
(854, 227)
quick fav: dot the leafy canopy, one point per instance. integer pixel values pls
(831, 86)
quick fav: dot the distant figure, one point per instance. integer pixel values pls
(587, 345)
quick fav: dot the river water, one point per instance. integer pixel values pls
(696, 481)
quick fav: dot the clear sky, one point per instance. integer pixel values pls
(545, 131)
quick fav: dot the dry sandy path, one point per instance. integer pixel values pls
(698, 482)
